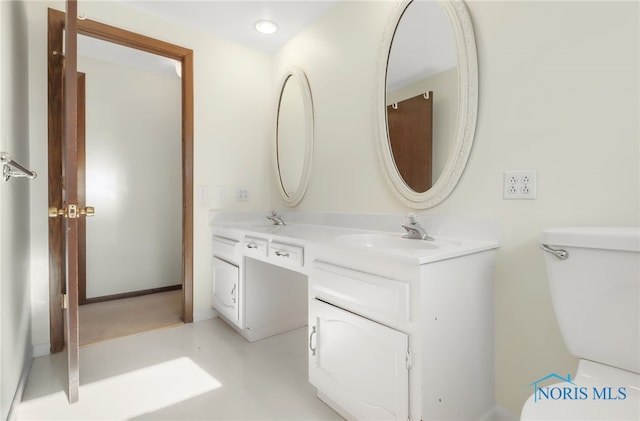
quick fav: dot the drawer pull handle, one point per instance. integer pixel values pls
(233, 293)
(281, 253)
(252, 246)
(313, 350)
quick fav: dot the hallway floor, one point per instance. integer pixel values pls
(128, 316)
(196, 371)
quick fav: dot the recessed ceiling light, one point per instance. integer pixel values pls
(266, 27)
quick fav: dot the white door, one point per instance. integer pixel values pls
(359, 364)
(225, 293)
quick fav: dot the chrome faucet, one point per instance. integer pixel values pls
(275, 218)
(415, 230)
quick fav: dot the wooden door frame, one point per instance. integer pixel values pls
(56, 22)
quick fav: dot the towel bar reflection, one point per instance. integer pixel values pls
(10, 168)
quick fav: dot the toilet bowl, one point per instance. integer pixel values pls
(594, 278)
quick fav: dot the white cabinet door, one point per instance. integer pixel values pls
(225, 293)
(359, 364)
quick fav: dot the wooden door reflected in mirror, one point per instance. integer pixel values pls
(411, 137)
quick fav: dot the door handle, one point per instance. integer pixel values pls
(233, 293)
(313, 350)
(71, 211)
(87, 211)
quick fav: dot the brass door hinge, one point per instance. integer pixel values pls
(64, 301)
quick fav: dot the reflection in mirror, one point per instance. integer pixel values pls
(422, 87)
(294, 136)
(429, 96)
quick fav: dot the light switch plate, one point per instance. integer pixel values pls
(203, 194)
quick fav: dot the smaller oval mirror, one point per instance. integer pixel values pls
(294, 136)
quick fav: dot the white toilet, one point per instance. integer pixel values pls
(594, 276)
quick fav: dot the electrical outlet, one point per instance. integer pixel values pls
(520, 184)
(242, 194)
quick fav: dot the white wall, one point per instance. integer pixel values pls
(133, 172)
(15, 305)
(232, 108)
(558, 93)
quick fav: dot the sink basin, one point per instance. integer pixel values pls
(392, 242)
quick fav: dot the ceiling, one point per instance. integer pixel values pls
(423, 43)
(234, 20)
(230, 20)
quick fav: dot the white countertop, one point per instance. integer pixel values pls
(363, 234)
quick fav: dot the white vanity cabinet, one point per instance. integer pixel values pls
(357, 364)
(405, 341)
(398, 329)
(254, 287)
(226, 289)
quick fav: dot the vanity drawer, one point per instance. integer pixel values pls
(254, 246)
(225, 247)
(287, 253)
(377, 298)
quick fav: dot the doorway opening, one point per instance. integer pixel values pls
(121, 37)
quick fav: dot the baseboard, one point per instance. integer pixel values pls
(199, 316)
(41, 350)
(17, 397)
(131, 294)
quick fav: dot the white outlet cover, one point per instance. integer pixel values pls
(519, 185)
(242, 194)
(203, 194)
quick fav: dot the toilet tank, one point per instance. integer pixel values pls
(596, 292)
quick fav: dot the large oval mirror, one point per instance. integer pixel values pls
(428, 98)
(294, 136)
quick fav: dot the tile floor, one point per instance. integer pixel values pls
(199, 371)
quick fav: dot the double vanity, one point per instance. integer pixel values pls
(398, 328)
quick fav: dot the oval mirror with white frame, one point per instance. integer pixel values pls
(427, 99)
(294, 136)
